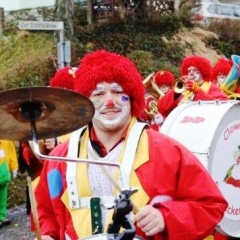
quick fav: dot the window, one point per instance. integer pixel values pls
(219, 9)
(227, 11)
(237, 12)
(212, 9)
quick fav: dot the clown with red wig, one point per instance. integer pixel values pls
(220, 70)
(196, 73)
(163, 80)
(172, 201)
(64, 78)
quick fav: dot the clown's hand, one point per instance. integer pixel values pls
(50, 143)
(192, 86)
(150, 220)
(14, 174)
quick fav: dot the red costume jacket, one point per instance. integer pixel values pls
(175, 181)
(169, 101)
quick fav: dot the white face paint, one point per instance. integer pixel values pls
(112, 106)
(221, 78)
(164, 88)
(195, 75)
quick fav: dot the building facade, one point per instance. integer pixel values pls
(14, 5)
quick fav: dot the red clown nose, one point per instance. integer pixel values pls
(110, 103)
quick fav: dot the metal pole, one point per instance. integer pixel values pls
(62, 50)
(1, 20)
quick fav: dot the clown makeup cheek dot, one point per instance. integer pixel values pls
(96, 102)
(125, 98)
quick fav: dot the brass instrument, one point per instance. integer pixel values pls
(234, 96)
(151, 97)
(179, 86)
(151, 110)
(152, 87)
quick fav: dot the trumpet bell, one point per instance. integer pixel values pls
(179, 86)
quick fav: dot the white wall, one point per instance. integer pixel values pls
(11, 5)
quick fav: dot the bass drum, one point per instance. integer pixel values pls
(211, 130)
(105, 236)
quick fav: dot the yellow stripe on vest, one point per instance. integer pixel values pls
(82, 217)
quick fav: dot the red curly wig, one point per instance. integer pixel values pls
(201, 63)
(64, 78)
(103, 66)
(223, 66)
(164, 77)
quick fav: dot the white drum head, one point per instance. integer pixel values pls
(211, 130)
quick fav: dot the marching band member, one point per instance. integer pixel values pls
(8, 170)
(151, 115)
(177, 198)
(196, 75)
(163, 80)
(64, 78)
(228, 71)
(220, 70)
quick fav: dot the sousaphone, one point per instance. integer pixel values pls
(230, 84)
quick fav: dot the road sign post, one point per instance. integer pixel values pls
(64, 52)
(63, 47)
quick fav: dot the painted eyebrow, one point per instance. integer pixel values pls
(99, 88)
(115, 86)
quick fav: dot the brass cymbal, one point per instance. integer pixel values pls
(55, 111)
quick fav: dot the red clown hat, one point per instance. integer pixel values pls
(201, 63)
(223, 66)
(164, 78)
(64, 78)
(103, 66)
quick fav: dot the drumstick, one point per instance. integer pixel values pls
(34, 208)
(117, 186)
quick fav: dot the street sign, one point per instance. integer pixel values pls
(63, 47)
(40, 25)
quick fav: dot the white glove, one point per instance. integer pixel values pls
(14, 174)
(158, 119)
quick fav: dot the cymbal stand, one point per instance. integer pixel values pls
(32, 111)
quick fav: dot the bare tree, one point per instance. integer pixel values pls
(58, 8)
(70, 14)
(66, 8)
(89, 11)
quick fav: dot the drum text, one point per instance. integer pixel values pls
(231, 210)
(231, 130)
(188, 119)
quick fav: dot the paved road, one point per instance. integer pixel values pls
(20, 225)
